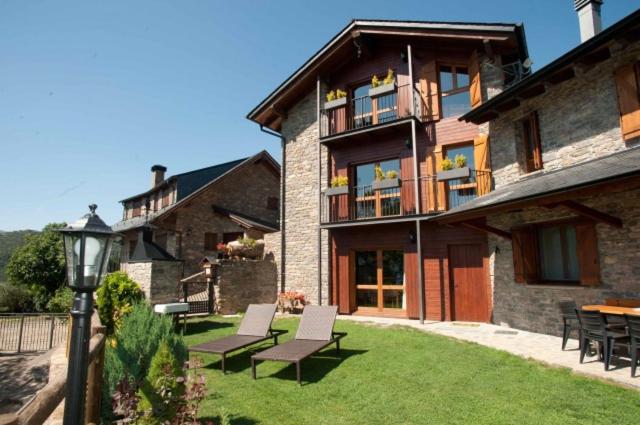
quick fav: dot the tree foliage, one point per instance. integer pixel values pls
(9, 242)
(39, 263)
(115, 298)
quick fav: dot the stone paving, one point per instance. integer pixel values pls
(529, 345)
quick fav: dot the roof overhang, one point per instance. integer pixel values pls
(587, 54)
(272, 110)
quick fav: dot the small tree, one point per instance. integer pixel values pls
(115, 298)
(39, 263)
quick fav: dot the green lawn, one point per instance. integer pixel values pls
(403, 376)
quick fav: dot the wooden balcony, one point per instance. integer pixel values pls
(366, 113)
(362, 203)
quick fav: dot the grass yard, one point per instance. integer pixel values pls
(403, 376)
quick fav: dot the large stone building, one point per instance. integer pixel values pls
(541, 206)
(182, 218)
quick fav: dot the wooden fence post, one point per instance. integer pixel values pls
(94, 381)
(20, 332)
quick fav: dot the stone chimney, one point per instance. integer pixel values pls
(157, 175)
(589, 17)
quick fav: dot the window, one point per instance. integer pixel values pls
(531, 142)
(137, 208)
(210, 241)
(132, 246)
(628, 86)
(231, 236)
(272, 203)
(371, 202)
(454, 90)
(563, 251)
(461, 190)
(558, 254)
(370, 111)
(379, 279)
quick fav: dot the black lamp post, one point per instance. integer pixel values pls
(87, 245)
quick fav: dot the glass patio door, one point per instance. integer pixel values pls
(379, 280)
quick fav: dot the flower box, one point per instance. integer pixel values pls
(386, 183)
(383, 89)
(336, 103)
(456, 173)
(333, 191)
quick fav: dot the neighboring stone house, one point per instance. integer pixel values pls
(185, 216)
(547, 211)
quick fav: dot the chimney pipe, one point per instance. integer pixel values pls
(157, 175)
(589, 17)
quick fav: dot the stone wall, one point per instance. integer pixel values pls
(244, 282)
(160, 280)
(272, 250)
(579, 120)
(300, 130)
(535, 307)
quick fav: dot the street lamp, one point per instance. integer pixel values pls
(87, 245)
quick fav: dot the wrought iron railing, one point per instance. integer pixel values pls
(368, 111)
(20, 332)
(372, 202)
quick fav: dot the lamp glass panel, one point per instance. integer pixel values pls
(72, 259)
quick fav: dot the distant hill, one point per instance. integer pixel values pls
(9, 241)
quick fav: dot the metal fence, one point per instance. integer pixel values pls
(20, 332)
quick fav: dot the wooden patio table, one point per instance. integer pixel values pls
(613, 310)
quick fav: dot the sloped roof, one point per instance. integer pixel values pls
(618, 165)
(191, 181)
(246, 221)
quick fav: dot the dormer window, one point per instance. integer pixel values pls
(454, 89)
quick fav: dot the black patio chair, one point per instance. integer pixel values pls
(594, 328)
(570, 321)
(633, 326)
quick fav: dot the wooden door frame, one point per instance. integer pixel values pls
(379, 286)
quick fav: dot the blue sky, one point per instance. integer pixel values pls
(94, 93)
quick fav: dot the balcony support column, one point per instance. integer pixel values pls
(319, 248)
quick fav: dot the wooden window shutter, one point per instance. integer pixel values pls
(629, 100)
(481, 157)
(588, 258)
(537, 146)
(475, 87)
(429, 91)
(525, 254)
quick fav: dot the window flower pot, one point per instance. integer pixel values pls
(456, 173)
(333, 191)
(336, 103)
(382, 90)
(386, 183)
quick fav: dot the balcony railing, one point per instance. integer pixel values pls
(366, 111)
(369, 202)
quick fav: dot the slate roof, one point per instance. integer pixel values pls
(617, 165)
(191, 181)
(246, 221)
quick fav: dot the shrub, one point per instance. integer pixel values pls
(447, 164)
(379, 173)
(339, 181)
(460, 160)
(160, 387)
(392, 174)
(116, 296)
(331, 96)
(340, 94)
(248, 242)
(62, 301)
(375, 82)
(389, 78)
(15, 298)
(128, 355)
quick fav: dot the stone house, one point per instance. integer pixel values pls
(182, 218)
(542, 205)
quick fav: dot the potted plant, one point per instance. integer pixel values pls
(388, 85)
(450, 173)
(335, 99)
(222, 250)
(339, 186)
(386, 181)
(291, 301)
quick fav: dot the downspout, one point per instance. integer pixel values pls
(319, 192)
(416, 185)
(283, 168)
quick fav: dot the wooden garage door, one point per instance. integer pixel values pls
(469, 292)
